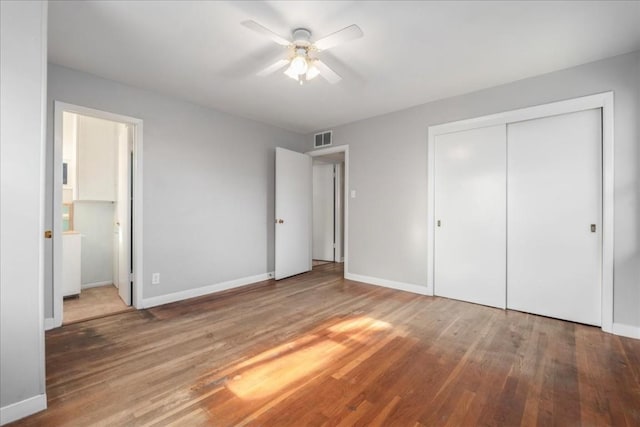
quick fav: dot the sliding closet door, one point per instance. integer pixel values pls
(554, 216)
(470, 208)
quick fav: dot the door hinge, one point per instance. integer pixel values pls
(48, 234)
(132, 277)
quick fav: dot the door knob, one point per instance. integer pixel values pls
(281, 221)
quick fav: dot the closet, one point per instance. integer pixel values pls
(470, 204)
(518, 216)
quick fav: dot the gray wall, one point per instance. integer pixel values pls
(94, 220)
(388, 168)
(208, 183)
(22, 71)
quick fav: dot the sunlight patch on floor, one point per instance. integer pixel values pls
(281, 367)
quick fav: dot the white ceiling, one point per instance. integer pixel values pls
(411, 52)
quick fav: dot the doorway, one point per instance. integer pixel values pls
(294, 210)
(328, 209)
(96, 213)
(330, 239)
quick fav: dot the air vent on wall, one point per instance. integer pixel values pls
(322, 139)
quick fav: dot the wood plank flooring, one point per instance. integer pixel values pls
(316, 349)
(93, 303)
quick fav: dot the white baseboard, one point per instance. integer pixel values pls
(24, 408)
(407, 287)
(626, 330)
(205, 290)
(96, 284)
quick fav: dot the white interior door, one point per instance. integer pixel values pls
(293, 213)
(470, 210)
(123, 214)
(323, 212)
(554, 197)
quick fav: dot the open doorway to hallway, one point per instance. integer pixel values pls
(328, 208)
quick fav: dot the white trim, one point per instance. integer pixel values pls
(608, 223)
(400, 286)
(97, 284)
(137, 216)
(205, 290)
(332, 150)
(601, 100)
(626, 330)
(38, 402)
(24, 408)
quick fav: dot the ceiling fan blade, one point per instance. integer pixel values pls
(253, 25)
(344, 35)
(273, 67)
(326, 72)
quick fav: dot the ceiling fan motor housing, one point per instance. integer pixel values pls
(301, 37)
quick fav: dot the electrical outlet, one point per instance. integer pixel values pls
(155, 278)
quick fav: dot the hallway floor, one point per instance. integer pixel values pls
(93, 303)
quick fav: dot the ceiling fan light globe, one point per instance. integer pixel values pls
(290, 72)
(299, 65)
(312, 72)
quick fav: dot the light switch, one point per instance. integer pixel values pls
(353, 194)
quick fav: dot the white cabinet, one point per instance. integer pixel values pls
(97, 147)
(71, 263)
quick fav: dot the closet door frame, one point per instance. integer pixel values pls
(602, 100)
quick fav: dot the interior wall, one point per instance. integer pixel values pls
(389, 152)
(208, 183)
(23, 68)
(95, 206)
(94, 222)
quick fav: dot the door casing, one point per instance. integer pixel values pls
(345, 197)
(136, 217)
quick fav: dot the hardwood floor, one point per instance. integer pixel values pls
(93, 303)
(316, 349)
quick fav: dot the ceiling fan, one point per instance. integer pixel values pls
(302, 61)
